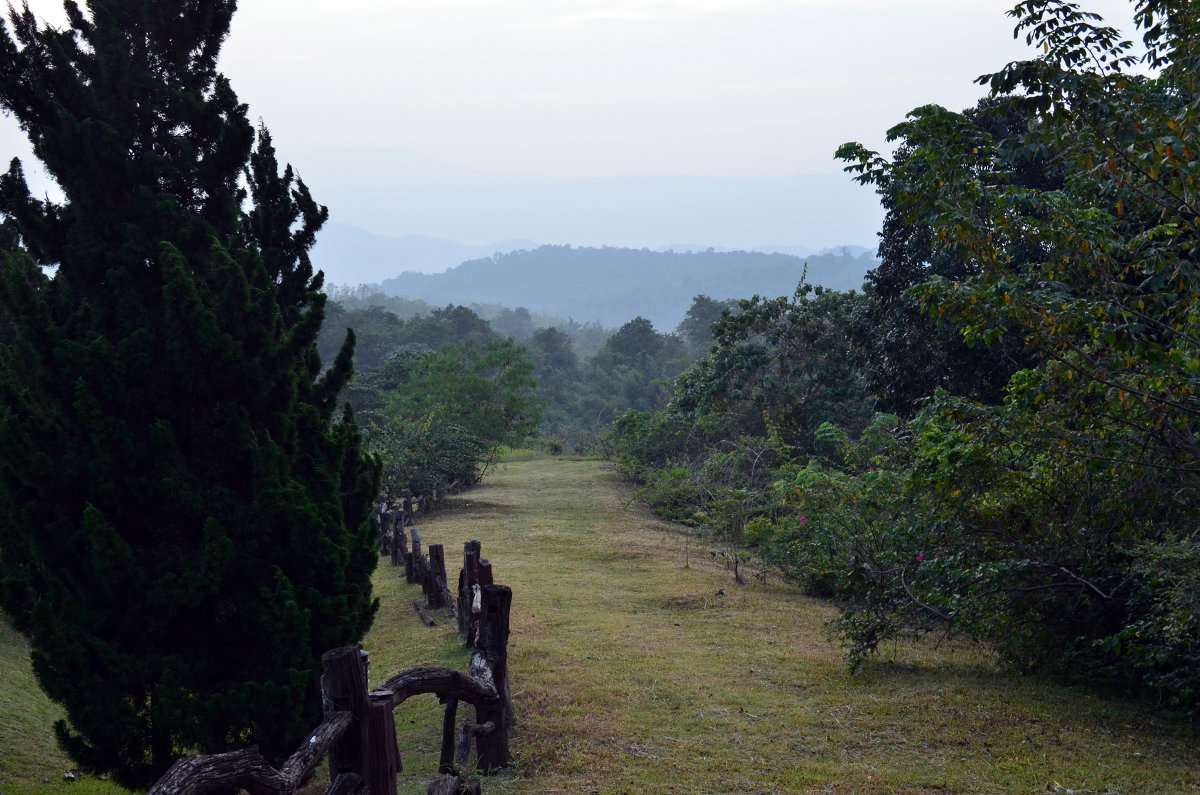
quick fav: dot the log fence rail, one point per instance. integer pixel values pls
(358, 732)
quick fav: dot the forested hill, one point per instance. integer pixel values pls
(612, 285)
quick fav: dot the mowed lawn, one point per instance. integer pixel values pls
(631, 672)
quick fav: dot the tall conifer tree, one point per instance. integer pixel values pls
(183, 522)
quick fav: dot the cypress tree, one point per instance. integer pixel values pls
(183, 520)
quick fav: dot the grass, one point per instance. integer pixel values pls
(30, 761)
(631, 673)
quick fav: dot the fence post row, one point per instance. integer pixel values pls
(359, 731)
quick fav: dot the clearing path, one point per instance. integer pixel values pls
(638, 665)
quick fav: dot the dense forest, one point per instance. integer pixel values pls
(443, 388)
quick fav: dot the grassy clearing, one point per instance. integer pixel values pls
(30, 761)
(632, 674)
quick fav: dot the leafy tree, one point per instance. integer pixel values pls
(635, 367)
(1082, 527)
(552, 350)
(183, 526)
(516, 323)
(425, 457)
(696, 327)
(488, 392)
(784, 362)
(905, 354)
(377, 333)
(777, 369)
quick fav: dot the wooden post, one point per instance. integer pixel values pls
(348, 784)
(420, 570)
(400, 543)
(406, 506)
(428, 586)
(485, 573)
(469, 581)
(397, 531)
(491, 648)
(462, 613)
(437, 569)
(344, 686)
(383, 755)
(410, 560)
(446, 762)
(471, 554)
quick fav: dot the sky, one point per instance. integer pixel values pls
(593, 122)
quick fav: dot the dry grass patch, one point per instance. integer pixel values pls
(631, 673)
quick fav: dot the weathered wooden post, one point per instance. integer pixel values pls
(410, 556)
(383, 522)
(406, 506)
(410, 561)
(383, 756)
(446, 761)
(437, 576)
(491, 652)
(467, 585)
(397, 529)
(344, 689)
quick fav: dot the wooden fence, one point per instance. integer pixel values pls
(358, 732)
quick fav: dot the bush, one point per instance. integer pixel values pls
(427, 457)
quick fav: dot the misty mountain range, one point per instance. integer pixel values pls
(352, 256)
(394, 195)
(613, 285)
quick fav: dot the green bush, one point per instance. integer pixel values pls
(427, 457)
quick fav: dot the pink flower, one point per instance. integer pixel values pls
(921, 556)
(803, 519)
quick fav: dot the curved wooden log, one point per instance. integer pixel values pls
(442, 681)
(300, 765)
(248, 770)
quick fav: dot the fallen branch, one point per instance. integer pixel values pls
(423, 613)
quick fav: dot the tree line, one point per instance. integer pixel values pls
(441, 390)
(997, 437)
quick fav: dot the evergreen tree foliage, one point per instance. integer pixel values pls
(182, 519)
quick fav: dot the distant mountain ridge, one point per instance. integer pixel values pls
(614, 285)
(350, 255)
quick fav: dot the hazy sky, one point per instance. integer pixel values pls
(559, 90)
